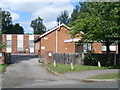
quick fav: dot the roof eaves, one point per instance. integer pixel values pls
(55, 28)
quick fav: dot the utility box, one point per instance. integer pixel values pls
(27, 50)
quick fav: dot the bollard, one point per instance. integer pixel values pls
(72, 66)
(54, 63)
(99, 65)
(83, 56)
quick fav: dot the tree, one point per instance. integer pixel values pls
(17, 29)
(6, 24)
(6, 20)
(63, 18)
(38, 26)
(76, 12)
(99, 21)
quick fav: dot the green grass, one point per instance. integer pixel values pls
(62, 68)
(3, 67)
(106, 76)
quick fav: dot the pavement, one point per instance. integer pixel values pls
(25, 71)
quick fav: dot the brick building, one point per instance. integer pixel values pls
(59, 40)
(18, 43)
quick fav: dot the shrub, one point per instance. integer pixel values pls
(92, 59)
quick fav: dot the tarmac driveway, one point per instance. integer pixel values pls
(26, 70)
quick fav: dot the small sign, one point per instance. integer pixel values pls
(50, 54)
(45, 38)
(43, 47)
(27, 49)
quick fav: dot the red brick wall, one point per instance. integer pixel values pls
(63, 34)
(97, 48)
(26, 42)
(4, 42)
(36, 45)
(14, 43)
(117, 49)
(50, 42)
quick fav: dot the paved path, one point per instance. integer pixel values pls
(26, 71)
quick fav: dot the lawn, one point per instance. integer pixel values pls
(62, 68)
(3, 67)
(106, 76)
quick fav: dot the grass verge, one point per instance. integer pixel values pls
(106, 76)
(62, 68)
(3, 67)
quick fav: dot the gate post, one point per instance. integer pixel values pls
(48, 57)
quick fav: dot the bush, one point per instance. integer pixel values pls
(92, 59)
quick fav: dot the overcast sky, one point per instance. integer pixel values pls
(24, 11)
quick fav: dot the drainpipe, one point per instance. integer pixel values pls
(56, 40)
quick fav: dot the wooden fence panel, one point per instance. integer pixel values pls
(67, 58)
(78, 58)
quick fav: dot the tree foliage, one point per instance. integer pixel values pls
(63, 17)
(6, 24)
(75, 13)
(99, 22)
(17, 29)
(38, 26)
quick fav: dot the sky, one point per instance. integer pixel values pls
(24, 11)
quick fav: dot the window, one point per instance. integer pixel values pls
(112, 47)
(31, 44)
(9, 44)
(20, 45)
(87, 47)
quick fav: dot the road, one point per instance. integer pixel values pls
(27, 72)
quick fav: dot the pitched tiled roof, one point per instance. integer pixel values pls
(55, 28)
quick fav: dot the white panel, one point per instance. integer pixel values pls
(31, 37)
(45, 38)
(19, 37)
(103, 48)
(72, 40)
(19, 42)
(113, 48)
(31, 50)
(43, 47)
(8, 50)
(9, 37)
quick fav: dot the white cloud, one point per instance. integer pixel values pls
(25, 22)
(45, 9)
(50, 25)
(15, 16)
(31, 29)
(50, 12)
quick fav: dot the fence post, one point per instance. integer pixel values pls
(54, 63)
(72, 67)
(114, 59)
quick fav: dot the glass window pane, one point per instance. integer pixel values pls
(9, 44)
(31, 44)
